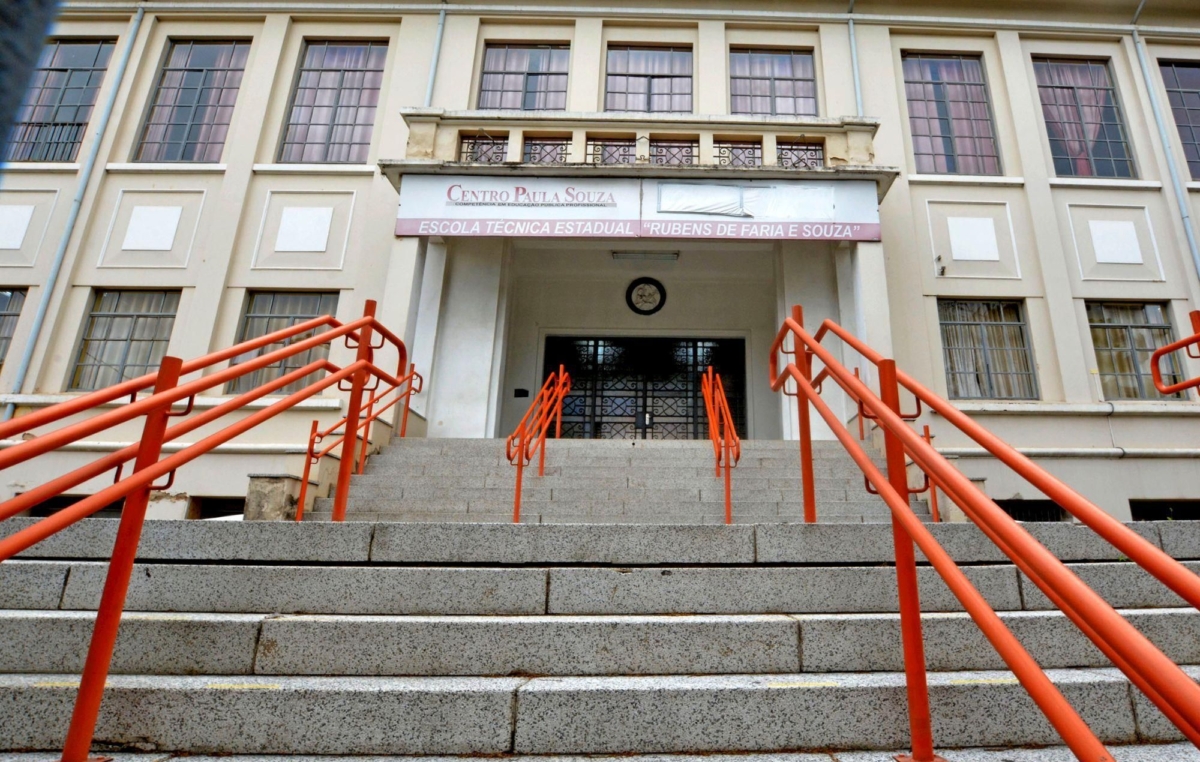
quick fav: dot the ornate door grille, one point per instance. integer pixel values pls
(615, 379)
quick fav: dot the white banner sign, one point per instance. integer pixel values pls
(544, 207)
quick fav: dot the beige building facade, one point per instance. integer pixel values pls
(1000, 195)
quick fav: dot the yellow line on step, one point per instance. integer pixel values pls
(803, 684)
(244, 686)
(986, 681)
(57, 684)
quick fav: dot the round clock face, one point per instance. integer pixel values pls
(645, 296)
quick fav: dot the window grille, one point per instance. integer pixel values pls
(193, 104)
(1182, 81)
(483, 150)
(950, 115)
(125, 336)
(1124, 335)
(50, 123)
(332, 113)
(800, 155)
(772, 82)
(675, 152)
(546, 150)
(649, 79)
(987, 351)
(11, 302)
(271, 311)
(527, 77)
(738, 154)
(1083, 119)
(611, 151)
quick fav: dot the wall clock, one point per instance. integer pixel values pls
(645, 296)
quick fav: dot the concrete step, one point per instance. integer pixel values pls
(608, 506)
(244, 644)
(562, 715)
(832, 470)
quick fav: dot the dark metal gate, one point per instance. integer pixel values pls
(616, 382)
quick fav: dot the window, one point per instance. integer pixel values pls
(793, 154)
(546, 150)
(1083, 119)
(986, 347)
(732, 153)
(11, 302)
(674, 152)
(332, 113)
(125, 336)
(649, 79)
(772, 82)
(271, 311)
(950, 115)
(611, 151)
(1125, 334)
(193, 103)
(1165, 510)
(1183, 91)
(483, 149)
(1033, 510)
(532, 78)
(50, 123)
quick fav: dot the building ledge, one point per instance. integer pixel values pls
(1147, 408)
(983, 180)
(229, 448)
(62, 167)
(179, 168)
(366, 170)
(395, 169)
(635, 119)
(1104, 182)
(1078, 452)
(202, 403)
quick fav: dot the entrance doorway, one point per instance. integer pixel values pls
(644, 388)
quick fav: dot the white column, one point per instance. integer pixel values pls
(425, 327)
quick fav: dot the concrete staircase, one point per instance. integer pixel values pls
(605, 481)
(559, 639)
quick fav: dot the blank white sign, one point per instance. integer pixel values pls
(14, 223)
(152, 228)
(304, 228)
(973, 239)
(1116, 242)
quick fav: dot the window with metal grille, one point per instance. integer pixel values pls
(675, 152)
(772, 82)
(192, 106)
(526, 77)
(738, 153)
(1165, 510)
(1124, 335)
(987, 352)
(271, 311)
(1182, 80)
(649, 79)
(332, 114)
(611, 151)
(794, 154)
(546, 150)
(950, 115)
(125, 336)
(11, 302)
(1087, 131)
(1033, 510)
(483, 149)
(50, 123)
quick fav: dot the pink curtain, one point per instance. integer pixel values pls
(1069, 88)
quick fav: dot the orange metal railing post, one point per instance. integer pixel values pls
(408, 392)
(308, 464)
(933, 490)
(808, 479)
(366, 441)
(906, 579)
(359, 380)
(562, 374)
(116, 583)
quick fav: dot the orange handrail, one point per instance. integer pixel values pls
(530, 434)
(149, 465)
(1188, 343)
(727, 445)
(412, 382)
(1162, 681)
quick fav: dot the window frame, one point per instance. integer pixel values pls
(81, 346)
(1118, 105)
(295, 88)
(253, 379)
(985, 349)
(7, 312)
(672, 48)
(986, 84)
(1191, 63)
(1174, 375)
(525, 75)
(17, 124)
(152, 102)
(750, 49)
